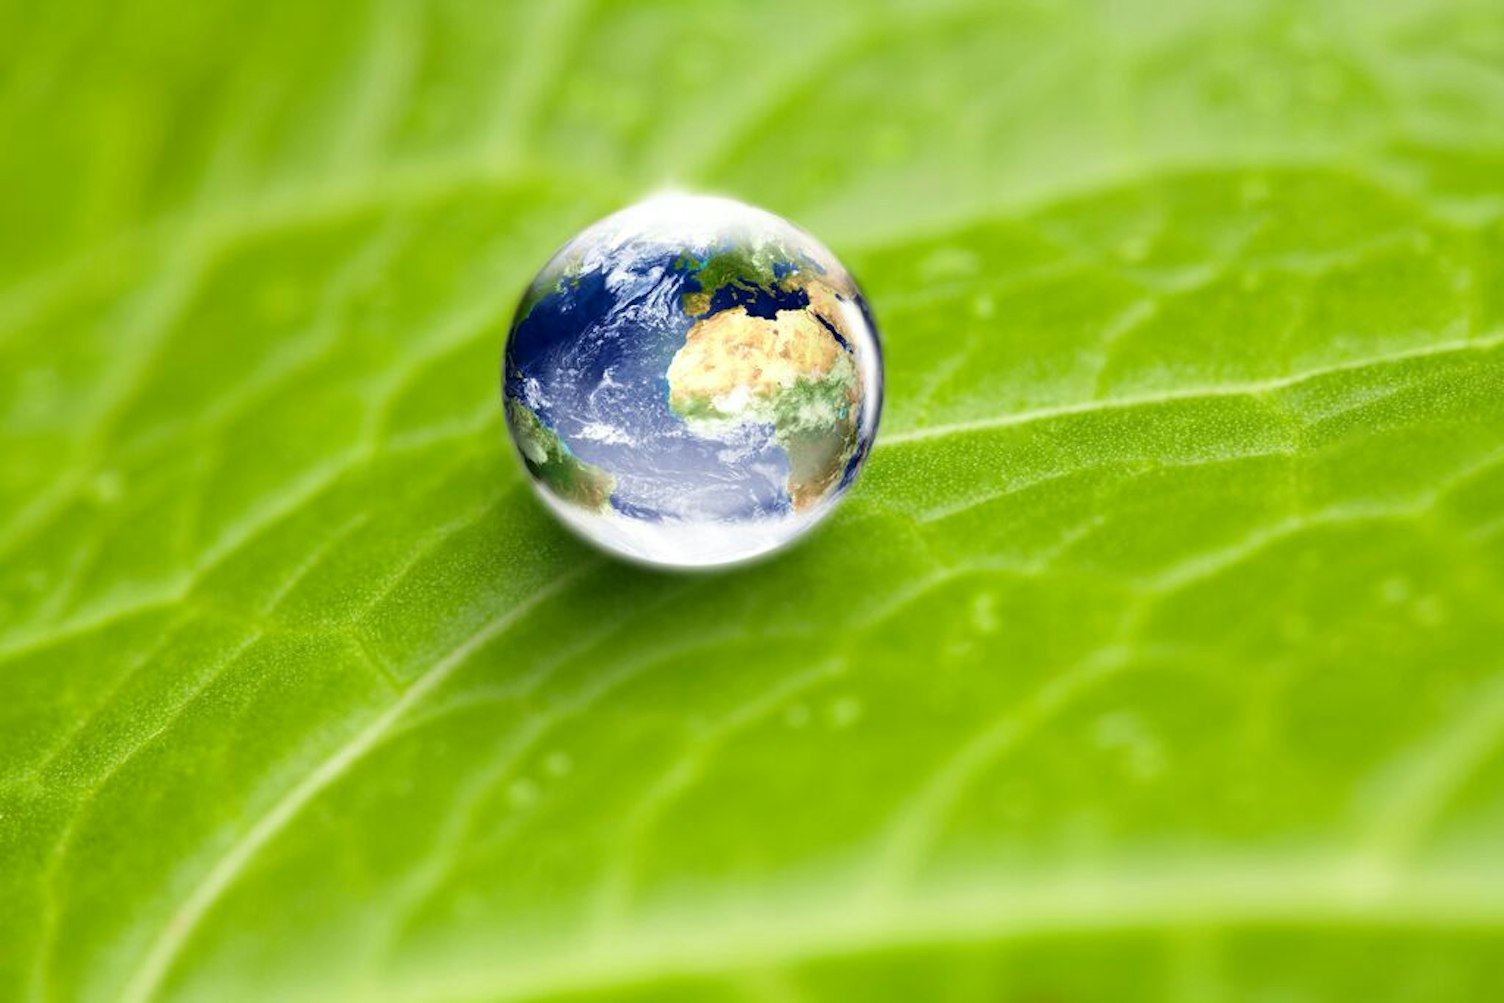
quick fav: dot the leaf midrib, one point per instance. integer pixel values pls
(1252, 388)
(23, 643)
(1319, 892)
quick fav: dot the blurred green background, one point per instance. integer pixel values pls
(1158, 654)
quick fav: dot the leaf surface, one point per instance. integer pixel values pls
(1158, 653)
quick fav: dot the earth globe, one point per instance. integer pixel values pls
(692, 382)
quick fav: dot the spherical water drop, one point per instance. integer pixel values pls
(692, 382)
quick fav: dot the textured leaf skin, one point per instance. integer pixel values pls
(1158, 654)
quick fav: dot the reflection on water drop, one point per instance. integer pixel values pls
(692, 382)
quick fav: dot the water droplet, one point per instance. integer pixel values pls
(1134, 249)
(1395, 590)
(771, 364)
(522, 793)
(1142, 757)
(949, 263)
(107, 486)
(845, 712)
(959, 649)
(1430, 611)
(984, 612)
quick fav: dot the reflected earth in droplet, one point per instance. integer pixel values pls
(692, 382)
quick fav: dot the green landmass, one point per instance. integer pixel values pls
(557, 277)
(815, 423)
(816, 459)
(697, 409)
(820, 403)
(551, 461)
(744, 265)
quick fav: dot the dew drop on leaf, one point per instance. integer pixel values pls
(692, 382)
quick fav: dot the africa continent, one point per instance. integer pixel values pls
(789, 371)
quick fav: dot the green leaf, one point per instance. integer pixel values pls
(1159, 652)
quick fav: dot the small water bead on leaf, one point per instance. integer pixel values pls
(692, 382)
